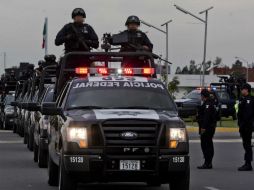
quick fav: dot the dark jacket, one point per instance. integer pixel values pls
(136, 38)
(246, 113)
(71, 40)
(207, 115)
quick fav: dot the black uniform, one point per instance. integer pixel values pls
(136, 38)
(70, 39)
(245, 122)
(207, 120)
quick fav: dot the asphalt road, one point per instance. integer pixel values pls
(19, 172)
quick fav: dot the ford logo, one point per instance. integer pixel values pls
(129, 135)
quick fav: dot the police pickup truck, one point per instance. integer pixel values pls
(116, 128)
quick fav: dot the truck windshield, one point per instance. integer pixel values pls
(119, 95)
(49, 95)
(223, 95)
(193, 95)
(9, 98)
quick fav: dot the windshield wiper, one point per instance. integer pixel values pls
(86, 107)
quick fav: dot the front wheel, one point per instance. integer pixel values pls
(30, 140)
(25, 138)
(181, 181)
(42, 156)
(66, 181)
(52, 172)
(35, 152)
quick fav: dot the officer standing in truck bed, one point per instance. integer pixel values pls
(77, 36)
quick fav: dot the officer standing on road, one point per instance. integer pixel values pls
(207, 123)
(77, 36)
(135, 36)
(245, 122)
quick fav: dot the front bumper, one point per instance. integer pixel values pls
(107, 169)
(185, 112)
(10, 119)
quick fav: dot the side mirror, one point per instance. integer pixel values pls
(33, 107)
(52, 109)
(14, 103)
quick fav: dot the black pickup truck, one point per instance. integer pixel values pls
(115, 128)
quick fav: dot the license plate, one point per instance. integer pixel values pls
(224, 106)
(130, 165)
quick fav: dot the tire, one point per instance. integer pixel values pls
(66, 182)
(25, 139)
(42, 157)
(1, 125)
(14, 129)
(30, 140)
(35, 152)
(181, 181)
(52, 173)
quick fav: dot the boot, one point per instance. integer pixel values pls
(205, 166)
(245, 167)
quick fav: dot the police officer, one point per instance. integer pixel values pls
(207, 124)
(245, 122)
(135, 36)
(77, 36)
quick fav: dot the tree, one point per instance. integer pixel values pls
(217, 62)
(178, 70)
(193, 67)
(185, 70)
(173, 86)
(238, 64)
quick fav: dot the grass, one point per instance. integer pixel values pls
(225, 122)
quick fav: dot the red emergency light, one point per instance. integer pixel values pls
(128, 71)
(103, 71)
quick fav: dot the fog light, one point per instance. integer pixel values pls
(173, 144)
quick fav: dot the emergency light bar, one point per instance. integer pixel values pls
(118, 71)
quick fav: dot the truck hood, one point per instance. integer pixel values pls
(105, 114)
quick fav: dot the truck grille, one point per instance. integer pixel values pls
(147, 133)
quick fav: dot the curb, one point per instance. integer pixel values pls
(218, 129)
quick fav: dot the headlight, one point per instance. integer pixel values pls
(78, 135)
(176, 135)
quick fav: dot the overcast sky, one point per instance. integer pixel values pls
(231, 26)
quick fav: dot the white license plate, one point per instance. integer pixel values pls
(224, 106)
(130, 165)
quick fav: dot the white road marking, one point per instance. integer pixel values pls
(211, 188)
(220, 141)
(10, 142)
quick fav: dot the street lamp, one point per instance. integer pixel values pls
(247, 72)
(205, 41)
(167, 45)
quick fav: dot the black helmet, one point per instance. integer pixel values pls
(40, 63)
(205, 93)
(50, 58)
(78, 12)
(132, 19)
(246, 86)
